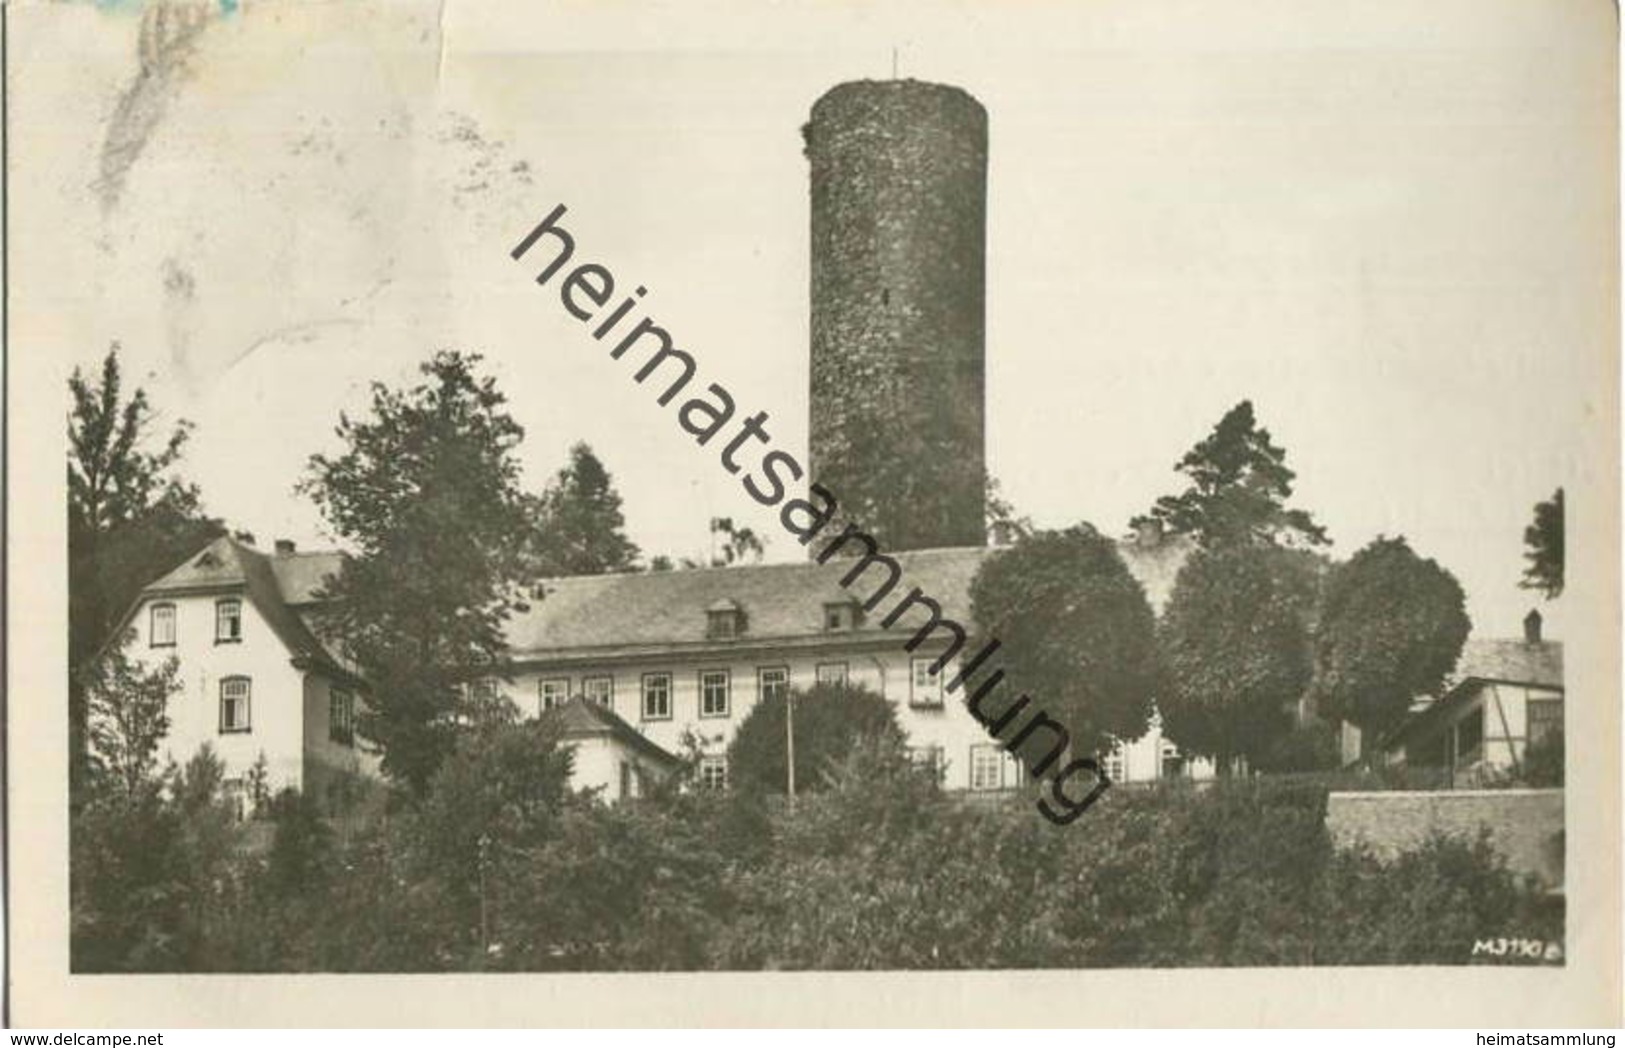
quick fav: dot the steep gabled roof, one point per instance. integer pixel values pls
(1512, 661)
(228, 565)
(652, 610)
(1491, 660)
(647, 610)
(582, 718)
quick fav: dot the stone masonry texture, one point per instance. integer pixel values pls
(1526, 826)
(899, 188)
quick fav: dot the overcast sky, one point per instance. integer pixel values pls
(1396, 236)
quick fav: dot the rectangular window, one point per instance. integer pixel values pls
(773, 682)
(1545, 718)
(600, 690)
(657, 696)
(832, 673)
(234, 703)
(235, 794)
(722, 624)
(554, 692)
(842, 616)
(714, 773)
(228, 621)
(927, 759)
(714, 693)
(1115, 765)
(1470, 737)
(1173, 764)
(341, 717)
(986, 766)
(161, 629)
(483, 690)
(925, 687)
(1014, 770)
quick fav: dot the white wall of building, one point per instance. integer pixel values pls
(887, 671)
(276, 689)
(597, 764)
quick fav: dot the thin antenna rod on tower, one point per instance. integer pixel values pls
(894, 62)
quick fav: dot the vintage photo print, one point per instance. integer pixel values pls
(908, 514)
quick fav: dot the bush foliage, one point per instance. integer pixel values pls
(829, 719)
(512, 871)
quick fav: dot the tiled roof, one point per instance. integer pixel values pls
(1514, 661)
(580, 718)
(301, 575)
(779, 601)
(1490, 659)
(655, 609)
(228, 564)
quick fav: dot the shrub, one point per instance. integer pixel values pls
(829, 719)
(1543, 761)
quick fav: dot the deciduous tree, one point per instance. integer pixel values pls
(128, 706)
(427, 493)
(130, 518)
(1236, 642)
(829, 719)
(1390, 628)
(1079, 636)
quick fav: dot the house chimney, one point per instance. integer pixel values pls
(1531, 627)
(284, 547)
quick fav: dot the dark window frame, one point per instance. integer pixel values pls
(847, 615)
(248, 705)
(609, 703)
(998, 753)
(541, 697)
(712, 760)
(846, 672)
(724, 624)
(761, 687)
(1551, 724)
(341, 732)
(727, 693)
(152, 624)
(643, 696)
(219, 606)
(916, 702)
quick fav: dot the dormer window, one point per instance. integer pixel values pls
(840, 616)
(724, 620)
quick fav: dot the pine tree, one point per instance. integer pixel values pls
(1239, 487)
(581, 530)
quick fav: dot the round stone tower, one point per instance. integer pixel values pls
(899, 194)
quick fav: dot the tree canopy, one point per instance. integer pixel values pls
(1236, 641)
(128, 716)
(1543, 548)
(130, 517)
(581, 530)
(427, 492)
(1239, 486)
(829, 721)
(1391, 627)
(1078, 633)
